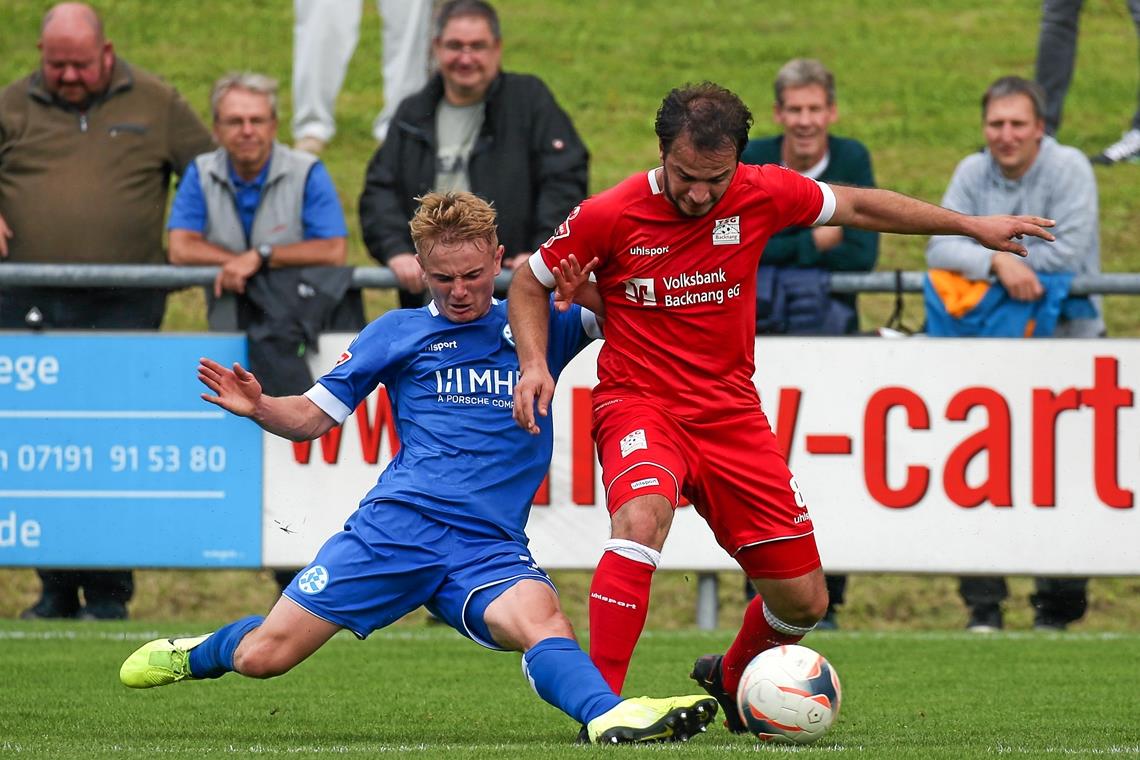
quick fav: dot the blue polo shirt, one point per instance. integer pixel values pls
(321, 214)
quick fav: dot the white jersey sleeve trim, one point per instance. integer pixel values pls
(590, 324)
(828, 209)
(652, 176)
(328, 403)
(541, 271)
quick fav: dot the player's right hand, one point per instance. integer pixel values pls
(237, 390)
(533, 391)
(408, 271)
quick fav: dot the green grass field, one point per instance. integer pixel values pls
(910, 76)
(427, 692)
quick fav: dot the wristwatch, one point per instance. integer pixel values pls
(265, 251)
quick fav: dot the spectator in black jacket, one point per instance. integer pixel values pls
(473, 127)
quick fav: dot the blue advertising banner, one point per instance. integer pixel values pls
(109, 457)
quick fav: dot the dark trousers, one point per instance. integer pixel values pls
(1061, 600)
(1057, 52)
(96, 309)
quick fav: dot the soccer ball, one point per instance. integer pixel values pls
(789, 695)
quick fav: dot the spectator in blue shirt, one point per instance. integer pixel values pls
(253, 203)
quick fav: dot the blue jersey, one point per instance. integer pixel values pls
(462, 458)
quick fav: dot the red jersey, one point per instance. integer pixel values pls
(679, 291)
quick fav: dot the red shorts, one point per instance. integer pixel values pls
(730, 469)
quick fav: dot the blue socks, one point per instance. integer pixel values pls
(214, 657)
(563, 675)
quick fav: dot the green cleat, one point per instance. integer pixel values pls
(159, 663)
(674, 719)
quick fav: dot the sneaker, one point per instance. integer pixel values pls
(642, 719)
(1043, 621)
(312, 145)
(828, 621)
(51, 607)
(159, 662)
(984, 619)
(1127, 148)
(109, 610)
(706, 672)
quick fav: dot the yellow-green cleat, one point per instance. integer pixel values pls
(643, 719)
(159, 663)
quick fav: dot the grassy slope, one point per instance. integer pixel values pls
(910, 76)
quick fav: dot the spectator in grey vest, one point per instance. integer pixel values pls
(253, 203)
(1024, 168)
(88, 143)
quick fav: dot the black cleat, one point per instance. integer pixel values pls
(706, 672)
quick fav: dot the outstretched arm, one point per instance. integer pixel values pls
(528, 306)
(886, 211)
(237, 391)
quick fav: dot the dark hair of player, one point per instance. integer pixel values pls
(710, 115)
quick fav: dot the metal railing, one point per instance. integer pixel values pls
(166, 276)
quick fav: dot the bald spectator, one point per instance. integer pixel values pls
(87, 147)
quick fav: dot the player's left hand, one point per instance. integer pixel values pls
(533, 392)
(236, 390)
(1002, 233)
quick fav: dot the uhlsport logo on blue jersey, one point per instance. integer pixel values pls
(313, 580)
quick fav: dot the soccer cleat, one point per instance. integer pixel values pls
(643, 719)
(706, 672)
(159, 662)
(1127, 148)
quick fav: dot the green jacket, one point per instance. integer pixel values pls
(849, 164)
(90, 186)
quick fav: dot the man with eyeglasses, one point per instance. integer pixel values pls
(253, 204)
(477, 128)
(88, 143)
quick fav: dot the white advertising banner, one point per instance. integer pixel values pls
(915, 455)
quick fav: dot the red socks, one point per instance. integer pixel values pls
(756, 634)
(619, 605)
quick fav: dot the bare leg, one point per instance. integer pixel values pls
(288, 636)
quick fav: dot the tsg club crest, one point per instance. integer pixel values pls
(726, 231)
(313, 580)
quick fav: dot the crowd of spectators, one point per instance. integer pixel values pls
(89, 143)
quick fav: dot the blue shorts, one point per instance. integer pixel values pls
(391, 559)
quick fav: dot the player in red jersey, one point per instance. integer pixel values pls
(675, 410)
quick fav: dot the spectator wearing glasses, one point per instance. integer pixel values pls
(474, 127)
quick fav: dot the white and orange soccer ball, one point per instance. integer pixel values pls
(789, 694)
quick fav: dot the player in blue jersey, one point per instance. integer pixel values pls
(444, 525)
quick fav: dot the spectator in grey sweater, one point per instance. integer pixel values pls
(1022, 169)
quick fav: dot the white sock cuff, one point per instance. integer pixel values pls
(779, 626)
(633, 550)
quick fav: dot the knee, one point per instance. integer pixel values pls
(262, 658)
(802, 610)
(645, 520)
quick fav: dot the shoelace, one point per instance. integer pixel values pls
(1127, 145)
